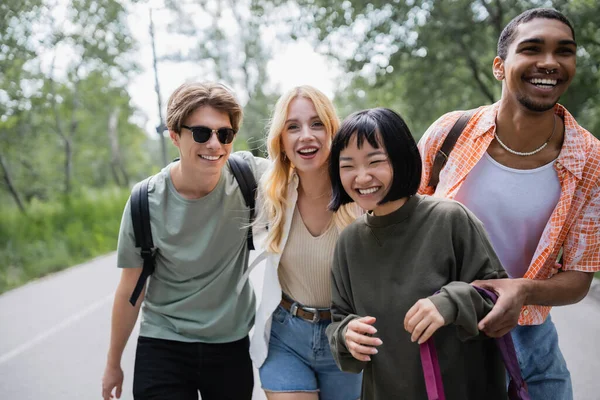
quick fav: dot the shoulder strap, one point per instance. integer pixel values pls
(434, 384)
(245, 179)
(140, 218)
(517, 388)
(443, 153)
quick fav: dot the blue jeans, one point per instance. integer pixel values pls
(542, 364)
(300, 360)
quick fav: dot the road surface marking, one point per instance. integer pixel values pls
(55, 329)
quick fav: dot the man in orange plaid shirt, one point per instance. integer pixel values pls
(532, 175)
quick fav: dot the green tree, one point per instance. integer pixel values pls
(230, 49)
(64, 109)
(98, 36)
(16, 54)
(429, 57)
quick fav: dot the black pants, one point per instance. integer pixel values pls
(166, 370)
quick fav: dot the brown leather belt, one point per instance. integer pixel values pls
(307, 313)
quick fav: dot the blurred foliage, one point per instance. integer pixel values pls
(69, 144)
(66, 136)
(428, 57)
(61, 83)
(54, 235)
(224, 38)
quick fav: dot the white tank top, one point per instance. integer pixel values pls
(514, 206)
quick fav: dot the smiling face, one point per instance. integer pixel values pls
(208, 157)
(539, 65)
(305, 140)
(366, 174)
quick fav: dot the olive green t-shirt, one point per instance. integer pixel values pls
(201, 256)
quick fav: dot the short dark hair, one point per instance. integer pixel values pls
(508, 33)
(379, 127)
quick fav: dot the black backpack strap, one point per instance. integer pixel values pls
(245, 179)
(442, 155)
(140, 217)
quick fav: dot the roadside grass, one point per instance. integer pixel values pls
(56, 235)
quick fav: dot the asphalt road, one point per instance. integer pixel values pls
(54, 336)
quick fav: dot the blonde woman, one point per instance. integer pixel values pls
(289, 344)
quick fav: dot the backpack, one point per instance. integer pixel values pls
(140, 216)
(444, 151)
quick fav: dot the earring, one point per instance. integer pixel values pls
(283, 157)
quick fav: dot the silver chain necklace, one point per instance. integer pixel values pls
(528, 153)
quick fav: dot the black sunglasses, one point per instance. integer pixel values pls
(201, 134)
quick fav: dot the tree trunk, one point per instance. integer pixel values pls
(475, 70)
(11, 187)
(116, 165)
(160, 129)
(71, 134)
(68, 164)
(60, 130)
(114, 145)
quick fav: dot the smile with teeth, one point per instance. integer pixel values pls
(370, 190)
(308, 150)
(545, 83)
(210, 158)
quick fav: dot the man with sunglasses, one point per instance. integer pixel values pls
(195, 324)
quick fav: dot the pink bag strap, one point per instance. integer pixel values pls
(517, 388)
(431, 371)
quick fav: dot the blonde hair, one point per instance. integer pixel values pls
(188, 97)
(275, 181)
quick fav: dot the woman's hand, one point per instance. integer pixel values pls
(359, 340)
(422, 320)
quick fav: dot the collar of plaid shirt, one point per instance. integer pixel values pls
(573, 224)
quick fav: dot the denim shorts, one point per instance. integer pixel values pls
(542, 363)
(300, 360)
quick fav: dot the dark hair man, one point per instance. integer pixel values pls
(532, 175)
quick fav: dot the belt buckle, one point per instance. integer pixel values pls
(294, 309)
(316, 317)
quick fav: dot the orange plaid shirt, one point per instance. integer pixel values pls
(575, 222)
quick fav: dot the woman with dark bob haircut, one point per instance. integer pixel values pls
(407, 161)
(389, 263)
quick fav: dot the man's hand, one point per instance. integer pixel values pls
(113, 378)
(505, 314)
(422, 320)
(358, 341)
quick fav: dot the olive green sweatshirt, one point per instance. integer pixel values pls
(383, 265)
